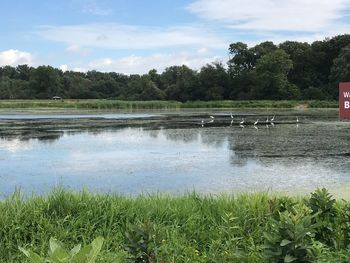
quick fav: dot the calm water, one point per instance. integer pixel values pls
(171, 152)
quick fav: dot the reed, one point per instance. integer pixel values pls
(120, 104)
(188, 228)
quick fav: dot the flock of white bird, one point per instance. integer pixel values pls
(242, 122)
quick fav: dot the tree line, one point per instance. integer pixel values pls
(290, 70)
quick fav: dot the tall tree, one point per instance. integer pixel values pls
(272, 71)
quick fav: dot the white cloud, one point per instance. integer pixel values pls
(137, 64)
(92, 7)
(117, 36)
(270, 15)
(64, 67)
(13, 57)
(78, 49)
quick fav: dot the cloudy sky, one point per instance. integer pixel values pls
(134, 36)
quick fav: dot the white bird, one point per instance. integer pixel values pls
(231, 116)
(267, 119)
(211, 117)
(255, 123)
(273, 118)
(241, 122)
(297, 119)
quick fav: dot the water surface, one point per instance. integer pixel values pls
(174, 152)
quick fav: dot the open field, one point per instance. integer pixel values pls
(189, 228)
(118, 104)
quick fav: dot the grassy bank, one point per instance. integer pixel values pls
(191, 228)
(118, 104)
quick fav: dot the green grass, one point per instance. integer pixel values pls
(118, 104)
(189, 228)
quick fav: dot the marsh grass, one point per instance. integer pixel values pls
(119, 104)
(189, 228)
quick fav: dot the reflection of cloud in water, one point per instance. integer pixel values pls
(15, 145)
(210, 159)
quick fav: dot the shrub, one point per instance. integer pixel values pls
(58, 254)
(290, 238)
(322, 203)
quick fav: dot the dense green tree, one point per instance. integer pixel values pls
(242, 59)
(180, 83)
(265, 71)
(213, 82)
(45, 82)
(272, 71)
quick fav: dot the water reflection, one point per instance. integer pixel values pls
(172, 155)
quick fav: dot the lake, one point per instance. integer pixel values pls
(173, 151)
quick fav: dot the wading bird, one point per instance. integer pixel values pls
(257, 121)
(231, 116)
(242, 121)
(273, 118)
(211, 117)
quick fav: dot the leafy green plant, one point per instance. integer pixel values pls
(58, 254)
(139, 242)
(290, 238)
(322, 203)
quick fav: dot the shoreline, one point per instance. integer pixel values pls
(120, 104)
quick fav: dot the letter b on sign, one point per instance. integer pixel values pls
(344, 100)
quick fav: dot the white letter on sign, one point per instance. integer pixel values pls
(346, 104)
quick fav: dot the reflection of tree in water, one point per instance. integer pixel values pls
(181, 135)
(152, 133)
(207, 137)
(241, 150)
(45, 136)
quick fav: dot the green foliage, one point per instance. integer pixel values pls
(160, 228)
(58, 254)
(140, 242)
(290, 70)
(322, 204)
(290, 237)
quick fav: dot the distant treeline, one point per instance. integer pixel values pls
(291, 70)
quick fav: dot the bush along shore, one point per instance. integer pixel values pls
(120, 104)
(190, 228)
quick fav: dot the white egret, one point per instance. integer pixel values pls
(273, 118)
(211, 117)
(257, 121)
(231, 116)
(297, 120)
(267, 119)
(242, 121)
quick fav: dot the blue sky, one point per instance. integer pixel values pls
(134, 36)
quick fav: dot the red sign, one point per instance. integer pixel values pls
(344, 100)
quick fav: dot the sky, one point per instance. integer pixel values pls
(135, 36)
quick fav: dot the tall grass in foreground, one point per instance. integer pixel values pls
(189, 228)
(119, 104)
